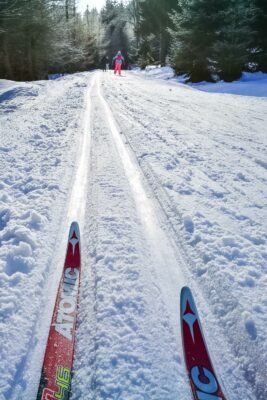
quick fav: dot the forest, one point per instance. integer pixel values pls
(204, 39)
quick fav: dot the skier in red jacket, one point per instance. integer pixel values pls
(119, 59)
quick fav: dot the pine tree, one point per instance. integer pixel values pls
(260, 28)
(116, 30)
(134, 12)
(193, 35)
(25, 40)
(91, 39)
(232, 49)
(38, 37)
(146, 51)
(155, 20)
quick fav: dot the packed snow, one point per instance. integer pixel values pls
(168, 184)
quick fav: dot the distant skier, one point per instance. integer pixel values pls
(105, 63)
(119, 60)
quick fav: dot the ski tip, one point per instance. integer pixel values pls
(74, 224)
(185, 290)
(73, 255)
(186, 294)
(74, 228)
(187, 299)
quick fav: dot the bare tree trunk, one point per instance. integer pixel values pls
(30, 59)
(67, 9)
(135, 15)
(163, 46)
(7, 64)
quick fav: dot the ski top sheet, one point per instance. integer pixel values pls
(55, 382)
(202, 377)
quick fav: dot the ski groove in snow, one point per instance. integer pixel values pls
(127, 339)
(77, 203)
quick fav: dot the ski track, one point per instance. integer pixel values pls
(133, 341)
(139, 242)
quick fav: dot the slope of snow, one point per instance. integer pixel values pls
(169, 186)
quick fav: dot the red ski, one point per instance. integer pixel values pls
(55, 381)
(202, 377)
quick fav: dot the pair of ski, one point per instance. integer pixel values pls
(55, 382)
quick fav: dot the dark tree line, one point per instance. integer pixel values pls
(205, 39)
(38, 37)
(213, 38)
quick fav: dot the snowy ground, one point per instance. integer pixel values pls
(250, 84)
(169, 186)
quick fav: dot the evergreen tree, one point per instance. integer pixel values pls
(116, 29)
(91, 39)
(195, 26)
(38, 37)
(25, 39)
(155, 19)
(260, 28)
(145, 53)
(232, 49)
(134, 12)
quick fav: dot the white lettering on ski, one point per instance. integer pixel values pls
(206, 390)
(65, 321)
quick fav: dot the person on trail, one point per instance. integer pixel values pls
(118, 59)
(105, 64)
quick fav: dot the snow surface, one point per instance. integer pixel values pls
(157, 72)
(250, 84)
(168, 184)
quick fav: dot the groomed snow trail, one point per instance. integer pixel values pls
(128, 343)
(169, 265)
(128, 336)
(167, 193)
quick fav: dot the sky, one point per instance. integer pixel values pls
(91, 3)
